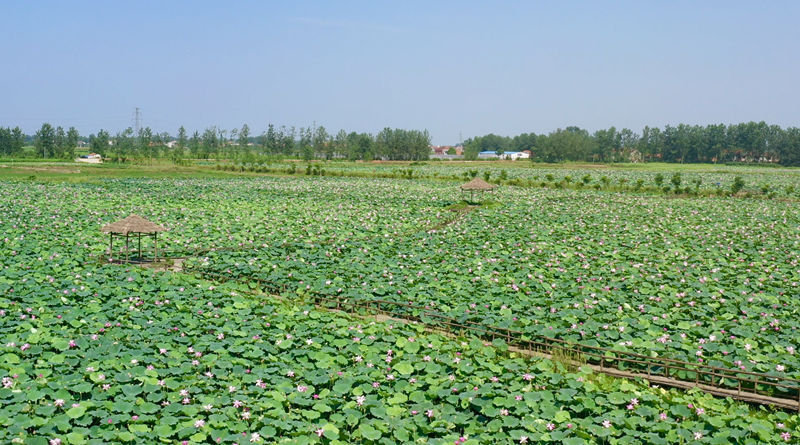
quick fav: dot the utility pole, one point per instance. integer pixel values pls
(137, 120)
(460, 139)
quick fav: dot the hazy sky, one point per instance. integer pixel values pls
(450, 67)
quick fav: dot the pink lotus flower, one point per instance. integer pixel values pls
(320, 432)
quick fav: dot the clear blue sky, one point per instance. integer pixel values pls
(450, 67)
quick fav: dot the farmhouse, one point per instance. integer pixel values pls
(91, 158)
(509, 155)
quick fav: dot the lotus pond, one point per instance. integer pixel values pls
(98, 353)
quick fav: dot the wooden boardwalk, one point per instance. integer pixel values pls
(763, 389)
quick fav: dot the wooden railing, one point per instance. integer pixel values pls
(744, 385)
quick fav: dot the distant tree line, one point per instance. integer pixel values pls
(218, 143)
(751, 142)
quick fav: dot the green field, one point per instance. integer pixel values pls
(92, 352)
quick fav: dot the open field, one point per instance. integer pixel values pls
(92, 352)
(652, 178)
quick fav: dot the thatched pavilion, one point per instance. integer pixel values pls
(477, 184)
(137, 226)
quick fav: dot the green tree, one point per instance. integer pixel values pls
(5, 141)
(244, 136)
(45, 141)
(99, 143)
(61, 141)
(124, 145)
(340, 144)
(271, 142)
(17, 141)
(182, 141)
(144, 143)
(210, 142)
(195, 145)
(304, 144)
(321, 143)
(71, 142)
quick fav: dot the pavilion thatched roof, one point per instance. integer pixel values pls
(133, 224)
(478, 184)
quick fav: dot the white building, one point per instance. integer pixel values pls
(509, 155)
(514, 155)
(91, 158)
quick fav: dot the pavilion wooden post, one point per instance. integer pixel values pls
(155, 249)
(140, 247)
(111, 245)
(127, 250)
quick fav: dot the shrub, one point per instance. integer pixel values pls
(676, 181)
(738, 185)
